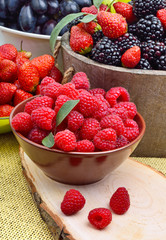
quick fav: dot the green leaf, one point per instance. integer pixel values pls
(55, 32)
(88, 18)
(97, 3)
(65, 110)
(48, 141)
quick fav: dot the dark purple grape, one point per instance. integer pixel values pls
(3, 9)
(53, 7)
(27, 19)
(42, 19)
(2, 23)
(13, 25)
(38, 29)
(14, 6)
(83, 3)
(39, 6)
(48, 27)
(68, 6)
(63, 30)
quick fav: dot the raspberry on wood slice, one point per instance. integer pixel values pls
(100, 217)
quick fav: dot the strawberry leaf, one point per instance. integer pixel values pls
(55, 32)
(97, 3)
(48, 141)
(65, 110)
(88, 18)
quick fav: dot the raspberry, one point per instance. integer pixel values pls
(75, 120)
(90, 128)
(47, 80)
(85, 146)
(73, 202)
(61, 99)
(129, 107)
(36, 135)
(103, 107)
(120, 201)
(22, 123)
(81, 81)
(121, 141)
(37, 102)
(50, 90)
(113, 121)
(101, 98)
(95, 91)
(131, 129)
(43, 117)
(116, 95)
(105, 139)
(88, 104)
(69, 90)
(118, 111)
(65, 140)
(100, 217)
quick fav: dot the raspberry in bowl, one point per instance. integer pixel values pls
(88, 140)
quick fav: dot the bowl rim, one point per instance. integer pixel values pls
(26, 34)
(74, 153)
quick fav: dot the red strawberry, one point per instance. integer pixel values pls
(92, 27)
(104, 7)
(56, 74)
(22, 57)
(8, 71)
(7, 91)
(91, 10)
(131, 57)
(38, 91)
(120, 201)
(161, 15)
(8, 51)
(80, 40)
(5, 110)
(43, 64)
(17, 84)
(113, 25)
(126, 10)
(28, 77)
(20, 95)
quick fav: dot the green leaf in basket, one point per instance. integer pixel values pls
(55, 32)
(88, 18)
(48, 141)
(97, 3)
(65, 110)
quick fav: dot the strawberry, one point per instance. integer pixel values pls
(80, 41)
(22, 57)
(5, 110)
(113, 25)
(131, 57)
(20, 95)
(7, 91)
(8, 71)
(91, 10)
(37, 91)
(92, 27)
(126, 10)
(28, 77)
(161, 15)
(17, 84)
(56, 74)
(44, 64)
(104, 7)
(8, 51)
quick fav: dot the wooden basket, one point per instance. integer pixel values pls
(147, 89)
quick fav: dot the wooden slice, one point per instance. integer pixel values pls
(145, 219)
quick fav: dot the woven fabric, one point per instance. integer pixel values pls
(19, 216)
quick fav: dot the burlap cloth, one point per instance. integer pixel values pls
(19, 216)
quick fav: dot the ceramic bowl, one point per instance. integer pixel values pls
(75, 167)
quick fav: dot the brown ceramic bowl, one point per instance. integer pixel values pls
(75, 167)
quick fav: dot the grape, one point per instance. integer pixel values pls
(42, 19)
(53, 7)
(27, 18)
(39, 6)
(68, 6)
(3, 9)
(14, 6)
(38, 29)
(83, 3)
(48, 27)
(2, 23)
(64, 29)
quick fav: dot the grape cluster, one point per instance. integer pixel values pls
(38, 16)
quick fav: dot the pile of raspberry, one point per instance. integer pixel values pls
(101, 121)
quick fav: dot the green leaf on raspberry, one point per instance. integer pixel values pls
(65, 110)
(88, 18)
(55, 32)
(97, 3)
(48, 141)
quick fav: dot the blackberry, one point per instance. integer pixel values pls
(107, 52)
(144, 64)
(74, 22)
(127, 41)
(142, 8)
(132, 29)
(149, 28)
(161, 63)
(97, 36)
(152, 51)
